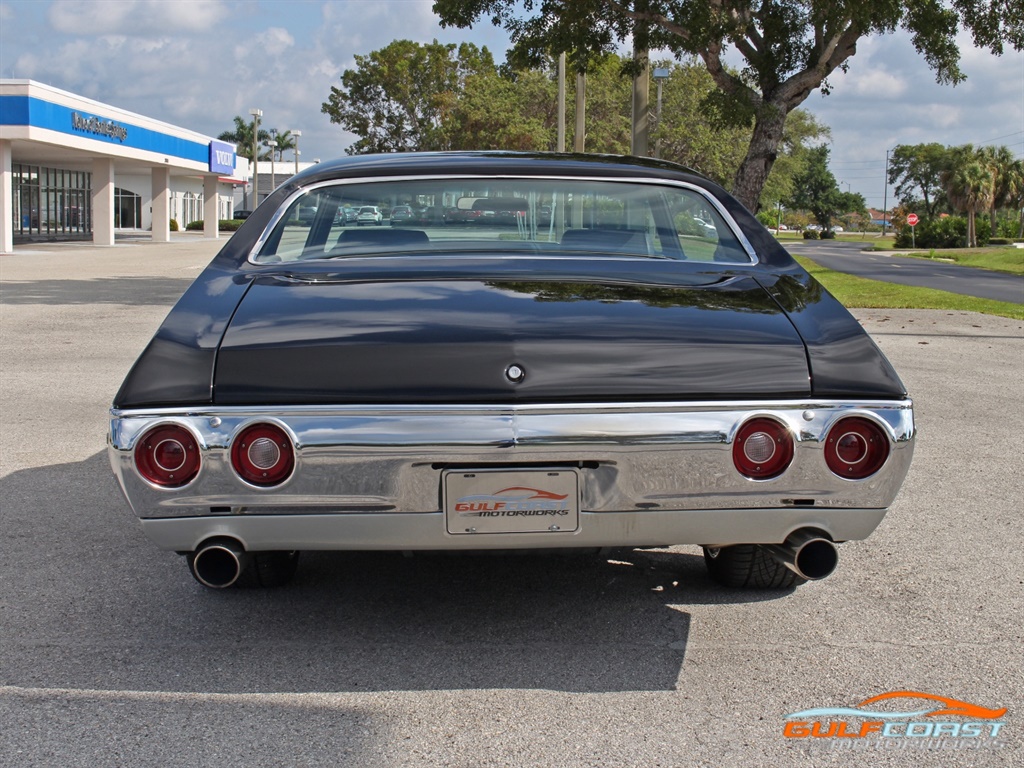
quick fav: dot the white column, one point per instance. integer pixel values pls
(211, 208)
(6, 199)
(103, 201)
(161, 205)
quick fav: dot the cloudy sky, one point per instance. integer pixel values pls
(198, 63)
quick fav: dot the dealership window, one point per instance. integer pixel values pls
(51, 203)
(127, 209)
(191, 208)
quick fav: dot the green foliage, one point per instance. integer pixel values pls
(789, 47)
(224, 225)
(916, 171)
(174, 225)
(241, 137)
(815, 190)
(399, 97)
(939, 232)
(810, 234)
(516, 109)
(769, 219)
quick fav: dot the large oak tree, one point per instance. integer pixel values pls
(789, 47)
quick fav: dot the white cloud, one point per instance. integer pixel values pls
(99, 17)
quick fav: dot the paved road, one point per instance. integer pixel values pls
(111, 655)
(848, 257)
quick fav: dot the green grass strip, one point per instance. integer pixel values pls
(856, 291)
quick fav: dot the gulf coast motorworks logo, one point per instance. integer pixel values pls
(933, 722)
(513, 502)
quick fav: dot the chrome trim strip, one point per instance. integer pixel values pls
(648, 181)
(631, 456)
(427, 532)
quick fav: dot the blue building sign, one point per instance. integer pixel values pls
(222, 158)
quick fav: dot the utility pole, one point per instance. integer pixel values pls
(885, 196)
(256, 115)
(641, 102)
(579, 139)
(561, 102)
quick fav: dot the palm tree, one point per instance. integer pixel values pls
(1014, 176)
(241, 137)
(285, 140)
(1000, 160)
(969, 186)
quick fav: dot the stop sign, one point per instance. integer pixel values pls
(912, 219)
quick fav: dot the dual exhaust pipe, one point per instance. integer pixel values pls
(808, 554)
(219, 563)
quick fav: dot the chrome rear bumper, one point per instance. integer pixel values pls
(650, 473)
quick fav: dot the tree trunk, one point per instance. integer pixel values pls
(761, 154)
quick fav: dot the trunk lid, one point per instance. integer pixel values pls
(451, 339)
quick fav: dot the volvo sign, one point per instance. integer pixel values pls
(222, 158)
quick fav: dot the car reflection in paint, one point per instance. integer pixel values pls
(621, 334)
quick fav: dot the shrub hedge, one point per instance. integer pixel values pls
(948, 232)
(225, 225)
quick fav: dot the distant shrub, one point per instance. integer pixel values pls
(828, 234)
(810, 234)
(999, 241)
(948, 232)
(174, 225)
(225, 225)
(769, 219)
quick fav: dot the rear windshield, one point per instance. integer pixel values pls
(579, 218)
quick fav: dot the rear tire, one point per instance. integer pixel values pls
(276, 568)
(748, 566)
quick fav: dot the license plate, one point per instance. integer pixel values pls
(511, 501)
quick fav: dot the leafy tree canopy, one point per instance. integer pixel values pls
(815, 190)
(916, 171)
(397, 98)
(473, 104)
(789, 47)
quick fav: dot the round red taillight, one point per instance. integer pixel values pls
(856, 448)
(263, 455)
(168, 456)
(763, 449)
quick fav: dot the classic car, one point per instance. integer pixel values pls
(608, 374)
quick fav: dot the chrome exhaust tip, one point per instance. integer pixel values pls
(218, 564)
(809, 554)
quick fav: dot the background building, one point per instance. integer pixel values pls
(74, 168)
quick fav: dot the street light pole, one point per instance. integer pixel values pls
(273, 179)
(660, 76)
(885, 196)
(256, 115)
(297, 135)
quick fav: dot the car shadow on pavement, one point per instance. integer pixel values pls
(89, 603)
(125, 291)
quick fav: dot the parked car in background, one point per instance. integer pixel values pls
(401, 214)
(370, 214)
(242, 215)
(607, 374)
(346, 214)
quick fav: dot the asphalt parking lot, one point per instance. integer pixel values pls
(111, 655)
